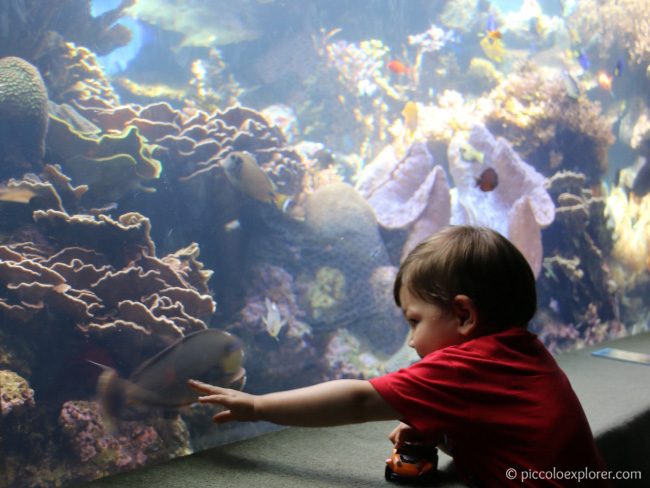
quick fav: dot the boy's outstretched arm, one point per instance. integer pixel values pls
(336, 402)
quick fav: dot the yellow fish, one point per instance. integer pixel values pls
(492, 46)
(273, 321)
(245, 175)
(410, 114)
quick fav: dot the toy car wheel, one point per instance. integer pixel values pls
(388, 474)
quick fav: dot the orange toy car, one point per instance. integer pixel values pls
(412, 463)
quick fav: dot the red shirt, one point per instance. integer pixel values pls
(498, 402)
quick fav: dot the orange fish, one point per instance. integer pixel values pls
(604, 80)
(494, 35)
(488, 180)
(396, 66)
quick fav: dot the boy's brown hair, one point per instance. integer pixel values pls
(477, 262)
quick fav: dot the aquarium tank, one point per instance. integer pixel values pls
(225, 190)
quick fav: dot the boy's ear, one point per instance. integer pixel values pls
(467, 314)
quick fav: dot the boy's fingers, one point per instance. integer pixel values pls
(203, 387)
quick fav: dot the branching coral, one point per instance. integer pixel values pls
(548, 127)
(615, 26)
(578, 243)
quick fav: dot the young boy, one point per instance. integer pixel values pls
(486, 390)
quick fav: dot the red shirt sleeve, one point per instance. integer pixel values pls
(428, 394)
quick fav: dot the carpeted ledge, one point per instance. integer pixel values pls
(614, 394)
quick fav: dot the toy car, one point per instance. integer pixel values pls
(412, 463)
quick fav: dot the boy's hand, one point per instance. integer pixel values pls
(241, 406)
(404, 433)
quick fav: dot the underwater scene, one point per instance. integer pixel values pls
(224, 190)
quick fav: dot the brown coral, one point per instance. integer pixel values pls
(23, 116)
(615, 26)
(548, 128)
(577, 243)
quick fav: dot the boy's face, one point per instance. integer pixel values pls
(432, 327)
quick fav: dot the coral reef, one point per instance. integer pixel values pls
(615, 26)
(30, 26)
(519, 207)
(344, 241)
(325, 293)
(415, 193)
(631, 232)
(57, 37)
(23, 117)
(408, 192)
(117, 295)
(110, 165)
(549, 128)
(575, 277)
(275, 357)
(15, 393)
(100, 451)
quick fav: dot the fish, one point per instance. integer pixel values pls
(273, 320)
(491, 24)
(539, 26)
(618, 68)
(583, 59)
(470, 154)
(571, 85)
(232, 225)
(641, 182)
(398, 67)
(410, 114)
(245, 175)
(159, 384)
(488, 180)
(492, 46)
(604, 80)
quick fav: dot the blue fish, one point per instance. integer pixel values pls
(491, 23)
(618, 69)
(583, 60)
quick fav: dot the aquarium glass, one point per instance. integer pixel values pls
(225, 190)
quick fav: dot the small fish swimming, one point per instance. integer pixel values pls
(604, 80)
(273, 320)
(492, 45)
(410, 114)
(488, 180)
(245, 175)
(160, 383)
(398, 67)
(618, 68)
(641, 183)
(571, 85)
(470, 154)
(583, 60)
